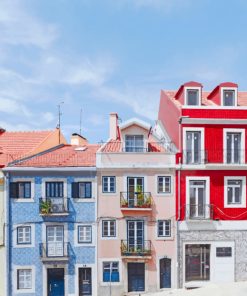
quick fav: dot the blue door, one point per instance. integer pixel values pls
(85, 281)
(136, 277)
(165, 273)
(55, 281)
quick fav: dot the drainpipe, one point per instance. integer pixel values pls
(7, 236)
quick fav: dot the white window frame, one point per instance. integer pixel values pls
(195, 129)
(32, 180)
(78, 234)
(164, 236)
(15, 233)
(100, 262)
(15, 279)
(157, 184)
(207, 193)
(235, 89)
(134, 135)
(108, 185)
(108, 237)
(242, 144)
(243, 196)
(199, 95)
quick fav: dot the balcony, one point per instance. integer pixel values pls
(58, 251)
(141, 201)
(199, 212)
(54, 206)
(229, 157)
(136, 249)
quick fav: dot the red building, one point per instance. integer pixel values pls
(208, 132)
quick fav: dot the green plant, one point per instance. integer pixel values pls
(140, 195)
(45, 206)
(148, 201)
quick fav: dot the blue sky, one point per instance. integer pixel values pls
(111, 56)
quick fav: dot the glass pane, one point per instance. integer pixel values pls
(228, 97)
(192, 97)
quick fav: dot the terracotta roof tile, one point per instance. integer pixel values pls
(65, 156)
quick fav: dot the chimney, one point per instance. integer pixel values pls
(113, 126)
(78, 140)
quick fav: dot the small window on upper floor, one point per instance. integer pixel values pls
(192, 97)
(229, 97)
(134, 143)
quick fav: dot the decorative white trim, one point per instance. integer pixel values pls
(100, 262)
(15, 279)
(186, 95)
(94, 189)
(136, 121)
(14, 236)
(101, 229)
(165, 238)
(195, 129)
(243, 194)
(32, 180)
(156, 184)
(65, 230)
(93, 276)
(93, 242)
(242, 144)
(207, 193)
(235, 89)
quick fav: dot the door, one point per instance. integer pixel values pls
(136, 277)
(197, 263)
(55, 241)
(135, 186)
(233, 142)
(197, 207)
(193, 147)
(135, 236)
(165, 273)
(55, 281)
(85, 281)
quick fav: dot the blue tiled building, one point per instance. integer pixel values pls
(51, 229)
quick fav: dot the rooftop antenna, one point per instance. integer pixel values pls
(80, 119)
(59, 121)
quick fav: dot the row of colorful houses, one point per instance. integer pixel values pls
(153, 208)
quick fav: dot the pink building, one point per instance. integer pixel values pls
(136, 211)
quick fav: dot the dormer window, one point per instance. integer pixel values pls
(229, 97)
(192, 97)
(134, 143)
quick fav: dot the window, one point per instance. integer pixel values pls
(228, 97)
(54, 189)
(224, 252)
(110, 272)
(82, 189)
(20, 189)
(234, 191)
(164, 184)
(109, 228)
(233, 147)
(193, 147)
(197, 192)
(164, 228)
(24, 279)
(85, 234)
(24, 235)
(193, 97)
(134, 143)
(108, 184)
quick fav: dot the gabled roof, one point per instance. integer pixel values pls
(62, 156)
(136, 121)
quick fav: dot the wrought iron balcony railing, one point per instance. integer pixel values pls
(199, 212)
(135, 200)
(135, 248)
(54, 251)
(53, 206)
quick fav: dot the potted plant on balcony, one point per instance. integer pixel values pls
(140, 196)
(124, 203)
(148, 202)
(45, 206)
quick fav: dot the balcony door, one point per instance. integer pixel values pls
(197, 198)
(55, 241)
(193, 147)
(135, 188)
(135, 235)
(233, 147)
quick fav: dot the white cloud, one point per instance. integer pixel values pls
(17, 27)
(12, 107)
(48, 117)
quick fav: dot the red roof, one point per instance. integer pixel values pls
(65, 156)
(242, 98)
(14, 145)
